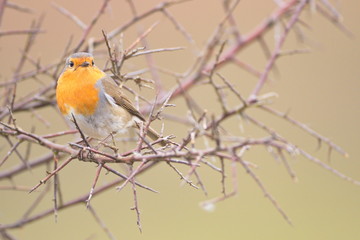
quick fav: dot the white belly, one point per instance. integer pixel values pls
(105, 121)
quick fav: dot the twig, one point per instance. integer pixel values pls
(157, 51)
(100, 166)
(43, 181)
(200, 182)
(334, 18)
(180, 28)
(70, 203)
(132, 174)
(2, 8)
(276, 52)
(223, 176)
(140, 37)
(229, 54)
(12, 149)
(305, 128)
(89, 27)
(101, 223)
(56, 187)
(68, 14)
(21, 167)
(182, 176)
(14, 146)
(20, 32)
(207, 137)
(124, 177)
(36, 202)
(81, 133)
(261, 186)
(136, 203)
(149, 58)
(19, 7)
(139, 17)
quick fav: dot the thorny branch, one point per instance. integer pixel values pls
(201, 126)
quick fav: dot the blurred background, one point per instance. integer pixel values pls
(319, 88)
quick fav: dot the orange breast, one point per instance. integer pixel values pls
(76, 90)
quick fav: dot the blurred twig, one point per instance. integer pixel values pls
(208, 140)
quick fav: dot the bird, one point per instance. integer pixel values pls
(90, 98)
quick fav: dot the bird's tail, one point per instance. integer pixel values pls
(152, 134)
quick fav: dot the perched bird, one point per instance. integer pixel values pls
(97, 103)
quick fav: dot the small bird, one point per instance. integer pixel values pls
(97, 103)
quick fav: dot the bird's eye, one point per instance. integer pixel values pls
(92, 63)
(71, 63)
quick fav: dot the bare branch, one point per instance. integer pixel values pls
(276, 52)
(70, 15)
(211, 141)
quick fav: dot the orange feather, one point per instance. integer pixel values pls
(76, 89)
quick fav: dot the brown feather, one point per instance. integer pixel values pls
(113, 90)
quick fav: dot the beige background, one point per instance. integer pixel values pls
(320, 88)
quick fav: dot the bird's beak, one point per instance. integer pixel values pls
(85, 64)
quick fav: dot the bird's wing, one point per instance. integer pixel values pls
(113, 90)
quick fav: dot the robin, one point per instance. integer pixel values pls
(96, 102)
